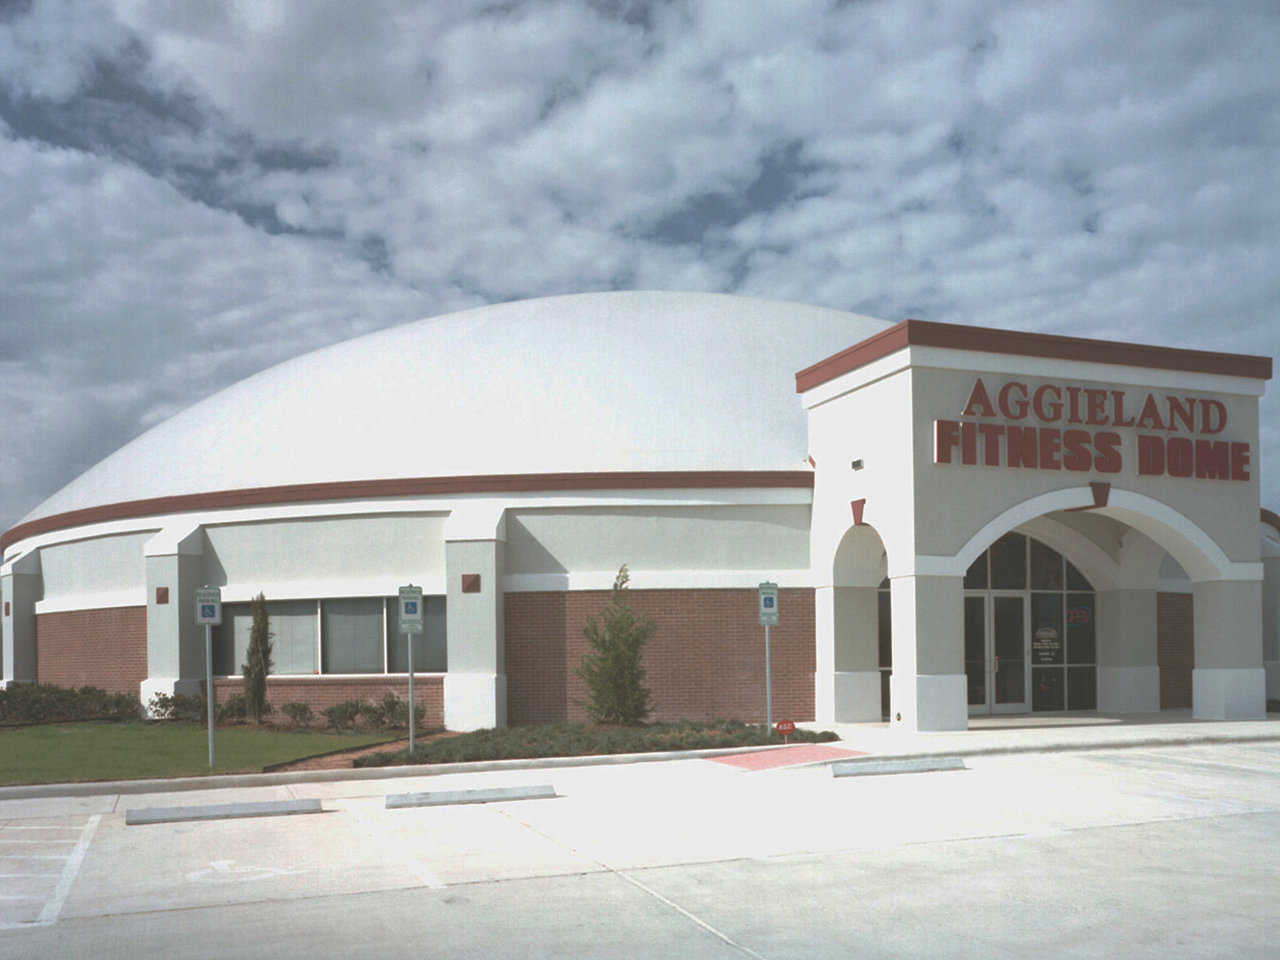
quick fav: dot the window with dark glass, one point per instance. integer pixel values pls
(1046, 567)
(975, 578)
(1009, 562)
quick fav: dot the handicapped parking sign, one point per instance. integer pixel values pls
(768, 604)
(209, 606)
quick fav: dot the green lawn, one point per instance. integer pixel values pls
(62, 752)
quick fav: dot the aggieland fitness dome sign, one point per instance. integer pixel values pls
(1065, 438)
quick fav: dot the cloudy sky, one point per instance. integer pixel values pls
(192, 191)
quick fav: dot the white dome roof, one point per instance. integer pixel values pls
(586, 383)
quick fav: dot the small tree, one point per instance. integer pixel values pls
(611, 668)
(257, 663)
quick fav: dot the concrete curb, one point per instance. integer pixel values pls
(231, 780)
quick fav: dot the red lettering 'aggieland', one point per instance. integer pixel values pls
(979, 404)
(1051, 403)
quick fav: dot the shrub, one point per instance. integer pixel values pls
(180, 706)
(45, 703)
(299, 714)
(343, 716)
(374, 714)
(395, 713)
(235, 708)
(612, 668)
(257, 663)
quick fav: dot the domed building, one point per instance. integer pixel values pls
(958, 520)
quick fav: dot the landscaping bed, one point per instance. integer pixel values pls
(581, 739)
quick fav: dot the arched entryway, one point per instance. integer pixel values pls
(1030, 630)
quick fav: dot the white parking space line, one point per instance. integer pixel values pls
(625, 875)
(30, 856)
(54, 906)
(51, 907)
(416, 867)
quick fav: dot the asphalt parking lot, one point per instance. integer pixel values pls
(1140, 852)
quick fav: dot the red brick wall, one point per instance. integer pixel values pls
(1175, 649)
(320, 692)
(705, 662)
(102, 648)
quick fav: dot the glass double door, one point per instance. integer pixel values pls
(995, 652)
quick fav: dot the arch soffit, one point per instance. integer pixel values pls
(859, 558)
(1095, 563)
(1194, 549)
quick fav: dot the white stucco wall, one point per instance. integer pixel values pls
(657, 538)
(375, 550)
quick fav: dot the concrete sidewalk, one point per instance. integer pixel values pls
(986, 735)
(1028, 733)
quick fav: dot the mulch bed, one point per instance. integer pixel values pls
(343, 761)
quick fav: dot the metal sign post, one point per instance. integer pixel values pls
(209, 613)
(411, 623)
(768, 617)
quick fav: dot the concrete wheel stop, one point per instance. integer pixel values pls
(221, 811)
(440, 798)
(871, 768)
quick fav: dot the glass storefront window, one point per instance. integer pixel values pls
(1082, 688)
(1075, 579)
(1081, 639)
(975, 578)
(1046, 628)
(1046, 688)
(1046, 567)
(1009, 562)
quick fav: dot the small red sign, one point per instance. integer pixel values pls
(785, 727)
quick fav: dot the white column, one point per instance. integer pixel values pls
(475, 684)
(1229, 681)
(174, 560)
(1128, 665)
(847, 681)
(928, 690)
(21, 585)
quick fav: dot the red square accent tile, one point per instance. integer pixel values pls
(162, 594)
(471, 583)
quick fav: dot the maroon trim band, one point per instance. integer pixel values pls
(986, 340)
(411, 487)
